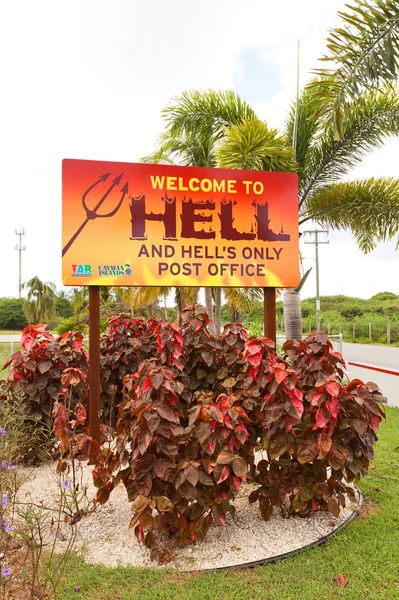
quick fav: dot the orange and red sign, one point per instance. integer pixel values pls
(126, 224)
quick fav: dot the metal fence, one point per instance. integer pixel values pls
(363, 331)
(336, 340)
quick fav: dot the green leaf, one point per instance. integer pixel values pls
(364, 55)
(252, 145)
(369, 208)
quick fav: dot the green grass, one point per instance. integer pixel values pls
(5, 353)
(366, 552)
(9, 332)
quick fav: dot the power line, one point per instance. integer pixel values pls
(20, 248)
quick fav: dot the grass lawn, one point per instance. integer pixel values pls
(366, 553)
(5, 353)
(9, 332)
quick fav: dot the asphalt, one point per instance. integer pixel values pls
(380, 356)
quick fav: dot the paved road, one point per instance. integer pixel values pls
(10, 338)
(381, 356)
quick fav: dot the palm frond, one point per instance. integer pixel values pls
(205, 113)
(365, 54)
(252, 145)
(369, 208)
(167, 148)
(309, 126)
(188, 150)
(369, 122)
(241, 299)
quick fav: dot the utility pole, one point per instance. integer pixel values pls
(314, 239)
(20, 248)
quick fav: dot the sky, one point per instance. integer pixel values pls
(88, 79)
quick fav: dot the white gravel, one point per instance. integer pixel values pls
(103, 537)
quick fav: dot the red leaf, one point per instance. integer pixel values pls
(280, 375)
(297, 404)
(236, 483)
(254, 348)
(240, 467)
(375, 421)
(81, 414)
(224, 474)
(255, 359)
(307, 452)
(315, 398)
(143, 441)
(289, 421)
(341, 580)
(333, 507)
(139, 533)
(225, 458)
(332, 388)
(321, 418)
(241, 433)
(332, 407)
(324, 443)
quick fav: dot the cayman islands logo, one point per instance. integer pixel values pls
(114, 270)
(81, 270)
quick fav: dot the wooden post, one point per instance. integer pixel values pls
(94, 362)
(269, 313)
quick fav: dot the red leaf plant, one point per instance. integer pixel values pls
(36, 371)
(191, 409)
(197, 409)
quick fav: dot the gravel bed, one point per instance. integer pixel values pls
(103, 537)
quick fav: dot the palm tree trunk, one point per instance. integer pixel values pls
(179, 303)
(218, 308)
(209, 302)
(165, 308)
(235, 315)
(292, 314)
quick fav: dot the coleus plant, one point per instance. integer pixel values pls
(191, 407)
(37, 370)
(318, 432)
(194, 414)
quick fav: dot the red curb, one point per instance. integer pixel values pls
(374, 368)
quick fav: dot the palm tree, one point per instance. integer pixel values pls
(209, 302)
(321, 161)
(220, 129)
(364, 55)
(136, 297)
(40, 303)
(79, 297)
(195, 125)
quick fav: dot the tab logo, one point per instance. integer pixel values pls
(81, 271)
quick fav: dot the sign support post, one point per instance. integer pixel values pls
(269, 313)
(94, 362)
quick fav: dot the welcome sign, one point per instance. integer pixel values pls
(127, 224)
